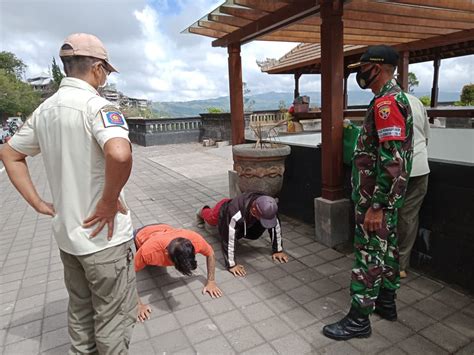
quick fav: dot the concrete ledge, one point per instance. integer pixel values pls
(332, 221)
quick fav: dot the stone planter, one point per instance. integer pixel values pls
(260, 169)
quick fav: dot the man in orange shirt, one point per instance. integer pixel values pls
(163, 245)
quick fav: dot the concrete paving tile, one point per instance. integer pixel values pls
(339, 348)
(394, 332)
(425, 285)
(243, 298)
(60, 350)
(324, 286)
(159, 308)
(266, 290)
(24, 331)
(173, 289)
(169, 343)
(230, 321)
(314, 335)
(409, 295)
(308, 275)
(190, 315)
(10, 286)
(272, 328)
(181, 301)
(462, 323)
(292, 266)
(8, 297)
(56, 307)
(312, 260)
(298, 318)
(254, 280)
(445, 337)
(5, 321)
(218, 305)
(232, 286)
(292, 344)
(142, 348)
(57, 295)
(217, 345)
(420, 345)
(14, 276)
(281, 303)
(264, 349)
(303, 294)
(27, 316)
(287, 283)
(372, 345)
(140, 333)
(27, 292)
(55, 322)
(274, 273)
(202, 330)
(452, 298)
(434, 308)
(257, 312)
(467, 350)
(330, 254)
(244, 338)
(328, 269)
(27, 346)
(323, 308)
(298, 252)
(414, 319)
(160, 325)
(30, 302)
(54, 339)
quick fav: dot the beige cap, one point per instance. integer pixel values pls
(86, 45)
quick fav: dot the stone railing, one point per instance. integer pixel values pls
(160, 131)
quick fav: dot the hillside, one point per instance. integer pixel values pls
(266, 101)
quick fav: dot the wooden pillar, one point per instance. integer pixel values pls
(346, 98)
(297, 85)
(236, 94)
(434, 89)
(403, 69)
(332, 100)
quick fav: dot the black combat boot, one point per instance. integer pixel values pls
(354, 325)
(385, 305)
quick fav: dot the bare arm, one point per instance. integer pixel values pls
(118, 165)
(211, 286)
(19, 174)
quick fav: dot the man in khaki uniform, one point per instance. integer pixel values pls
(86, 152)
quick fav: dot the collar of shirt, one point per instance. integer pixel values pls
(388, 85)
(78, 83)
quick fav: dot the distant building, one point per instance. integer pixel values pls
(43, 83)
(111, 93)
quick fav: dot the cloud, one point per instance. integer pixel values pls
(155, 60)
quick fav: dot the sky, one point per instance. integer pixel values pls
(156, 61)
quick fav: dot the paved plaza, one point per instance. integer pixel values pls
(274, 309)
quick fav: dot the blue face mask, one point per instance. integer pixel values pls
(364, 79)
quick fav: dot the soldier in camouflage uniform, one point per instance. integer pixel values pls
(381, 168)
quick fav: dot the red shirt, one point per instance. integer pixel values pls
(151, 242)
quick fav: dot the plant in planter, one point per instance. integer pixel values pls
(260, 166)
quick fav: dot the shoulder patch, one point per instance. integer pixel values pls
(112, 117)
(389, 121)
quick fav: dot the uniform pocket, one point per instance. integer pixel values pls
(110, 278)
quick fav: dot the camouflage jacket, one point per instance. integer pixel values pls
(383, 155)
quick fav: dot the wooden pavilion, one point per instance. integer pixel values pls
(340, 29)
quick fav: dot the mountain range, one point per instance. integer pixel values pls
(266, 101)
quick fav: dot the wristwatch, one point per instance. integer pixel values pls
(376, 206)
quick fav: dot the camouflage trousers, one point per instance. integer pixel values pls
(376, 260)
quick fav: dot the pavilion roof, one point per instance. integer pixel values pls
(413, 25)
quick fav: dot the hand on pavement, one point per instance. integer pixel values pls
(104, 214)
(212, 289)
(238, 270)
(280, 256)
(144, 312)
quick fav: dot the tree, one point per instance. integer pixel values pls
(12, 65)
(57, 73)
(214, 110)
(412, 82)
(467, 95)
(248, 102)
(425, 100)
(16, 96)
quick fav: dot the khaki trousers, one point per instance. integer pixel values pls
(408, 217)
(103, 300)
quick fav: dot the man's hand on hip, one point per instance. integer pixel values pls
(373, 220)
(104, 214)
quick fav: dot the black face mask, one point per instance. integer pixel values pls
(364, 79)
